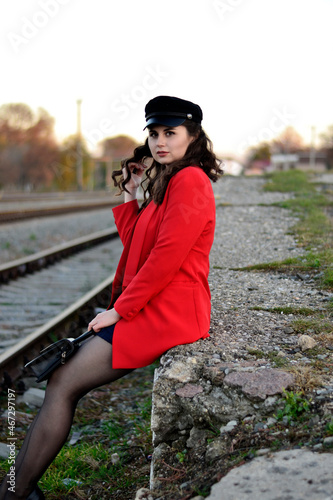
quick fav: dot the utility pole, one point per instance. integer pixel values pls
(79, 163)
(312, 159)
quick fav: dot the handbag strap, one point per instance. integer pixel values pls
(84, 336)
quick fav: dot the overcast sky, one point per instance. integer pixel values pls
(254, 66)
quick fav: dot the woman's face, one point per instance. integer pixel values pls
(168, 144)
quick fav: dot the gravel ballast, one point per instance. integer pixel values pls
(19, 239)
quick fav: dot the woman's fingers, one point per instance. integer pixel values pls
(106, 318)
(93, 326)
(95, 323)
(136, 168)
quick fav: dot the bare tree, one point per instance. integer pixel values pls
(118, 147)
(114, 150)
(17, 116)
(289, 141)
(27, 146)
(65, 167)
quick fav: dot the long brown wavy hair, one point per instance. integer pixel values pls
(154, 185)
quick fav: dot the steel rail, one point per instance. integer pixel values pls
(17, 215)
(69, 323)
(19, 267)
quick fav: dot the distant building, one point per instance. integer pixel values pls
(317, 162)
(303, 160)
(284, 161)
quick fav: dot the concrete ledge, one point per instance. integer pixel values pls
(294, 474)
(197, 391)
(216, 397)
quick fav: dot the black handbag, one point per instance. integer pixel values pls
(56, 355)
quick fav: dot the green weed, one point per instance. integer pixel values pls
(295, 406)
(314, 230)
(106, 427)
(301, 311)
(329, 428)
(85, 463)
(27, 251)
(289, 181)
(204, 491)
(328, 278)
(276, 444)
(256, 352)
(270, 266)
(113, 429)
(279, 361)
(312, 325)
(181, 455)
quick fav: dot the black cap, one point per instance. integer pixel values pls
(171, 111)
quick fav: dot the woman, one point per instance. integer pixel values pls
(160, 295)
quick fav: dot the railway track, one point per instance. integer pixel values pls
(55, 295)
(24, 213)
(39, 260)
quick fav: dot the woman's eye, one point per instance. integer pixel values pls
(169, 133)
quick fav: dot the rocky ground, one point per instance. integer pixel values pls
(243, 303)
(218, 403)
(263, 324)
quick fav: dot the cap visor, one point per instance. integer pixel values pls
(168, 121)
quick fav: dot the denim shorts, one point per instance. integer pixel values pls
(106, 333)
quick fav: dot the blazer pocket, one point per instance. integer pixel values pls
(178, 299)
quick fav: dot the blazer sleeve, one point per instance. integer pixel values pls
(125, 216)
(190, 207)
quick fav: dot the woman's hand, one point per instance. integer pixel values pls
(106, 318)
(132, 185)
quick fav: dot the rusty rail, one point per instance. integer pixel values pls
(70, 323)
(19, 267)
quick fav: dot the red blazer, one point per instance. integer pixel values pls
(161, 285)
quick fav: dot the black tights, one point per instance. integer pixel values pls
(88, 369)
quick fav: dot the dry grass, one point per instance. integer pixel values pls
(306, 379)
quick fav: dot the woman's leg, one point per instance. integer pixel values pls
(91, 367)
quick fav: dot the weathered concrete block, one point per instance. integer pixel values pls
(292, 474)
(194, 392)
(159, 452)
(197, 438)
(190, 392)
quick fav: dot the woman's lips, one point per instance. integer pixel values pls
(162, 153)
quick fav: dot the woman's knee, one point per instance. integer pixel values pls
(61, 386)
